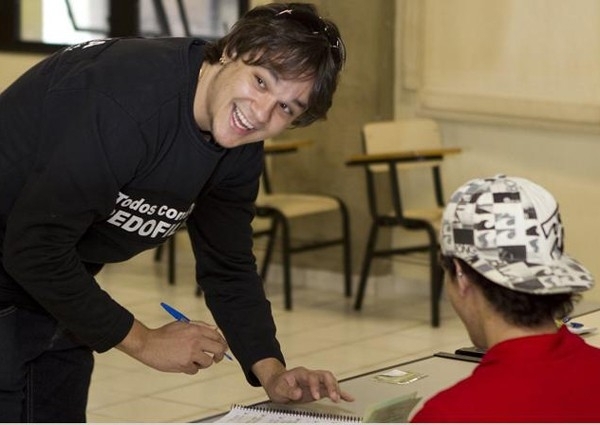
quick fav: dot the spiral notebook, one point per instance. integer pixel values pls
(258, 414)
(392, 410)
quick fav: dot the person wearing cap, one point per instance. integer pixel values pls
(508, 279)
(106, 148)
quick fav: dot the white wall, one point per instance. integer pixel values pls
(12, 65)
(517, 86)
(564, 163)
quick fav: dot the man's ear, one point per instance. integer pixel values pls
(462, 280)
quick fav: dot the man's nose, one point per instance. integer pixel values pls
(264, 107)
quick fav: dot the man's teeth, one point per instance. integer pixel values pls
(241, 120)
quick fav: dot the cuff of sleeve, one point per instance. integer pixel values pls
(121, 328)
(251, 377)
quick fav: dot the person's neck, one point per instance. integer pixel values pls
(497, 329)
(201, 96)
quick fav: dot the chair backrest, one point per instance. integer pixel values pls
(401, 136)
(265, 180)
(277, 148)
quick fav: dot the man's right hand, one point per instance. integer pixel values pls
(175, 347)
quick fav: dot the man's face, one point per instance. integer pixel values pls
(246, 104)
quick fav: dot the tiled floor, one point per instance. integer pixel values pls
(322, 332)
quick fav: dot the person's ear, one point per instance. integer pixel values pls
(461, 278)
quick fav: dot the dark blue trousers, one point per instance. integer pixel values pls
(44, 372)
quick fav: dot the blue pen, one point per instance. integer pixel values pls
(180, 317)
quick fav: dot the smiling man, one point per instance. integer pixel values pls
(106, 148)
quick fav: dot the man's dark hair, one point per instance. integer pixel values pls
(291, 40)
(518, 308)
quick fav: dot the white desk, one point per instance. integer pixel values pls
(441, 373)
(591, 319)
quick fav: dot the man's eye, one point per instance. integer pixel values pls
(286, 108)
(260, 82)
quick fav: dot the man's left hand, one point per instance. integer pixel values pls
(301, 385)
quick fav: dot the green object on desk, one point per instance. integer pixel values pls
(393, 410)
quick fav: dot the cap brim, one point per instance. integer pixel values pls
(561, 276)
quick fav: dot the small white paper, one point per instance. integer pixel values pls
(394, 373)
(397, 376)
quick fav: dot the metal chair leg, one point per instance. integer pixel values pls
(347, 256)
(287, 274)
(158, 253)
(272, 234)
(434, 277)
(171, 260)
(364, 274)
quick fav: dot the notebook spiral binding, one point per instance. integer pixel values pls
(310, 416)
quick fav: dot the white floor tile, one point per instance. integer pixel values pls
(323, 332)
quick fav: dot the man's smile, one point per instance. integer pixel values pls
(240, 120)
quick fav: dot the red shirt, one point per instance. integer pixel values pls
(542, 378)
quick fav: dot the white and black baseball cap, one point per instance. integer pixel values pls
(509, 230)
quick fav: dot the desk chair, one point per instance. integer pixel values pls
(261, 228)
(283, 208)
(397, 148)
(170, 244)
(274, 213)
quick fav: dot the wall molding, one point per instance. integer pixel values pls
(484, 94)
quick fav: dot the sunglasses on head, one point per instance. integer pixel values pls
(318, 27)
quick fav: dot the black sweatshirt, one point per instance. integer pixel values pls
(100, 159)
